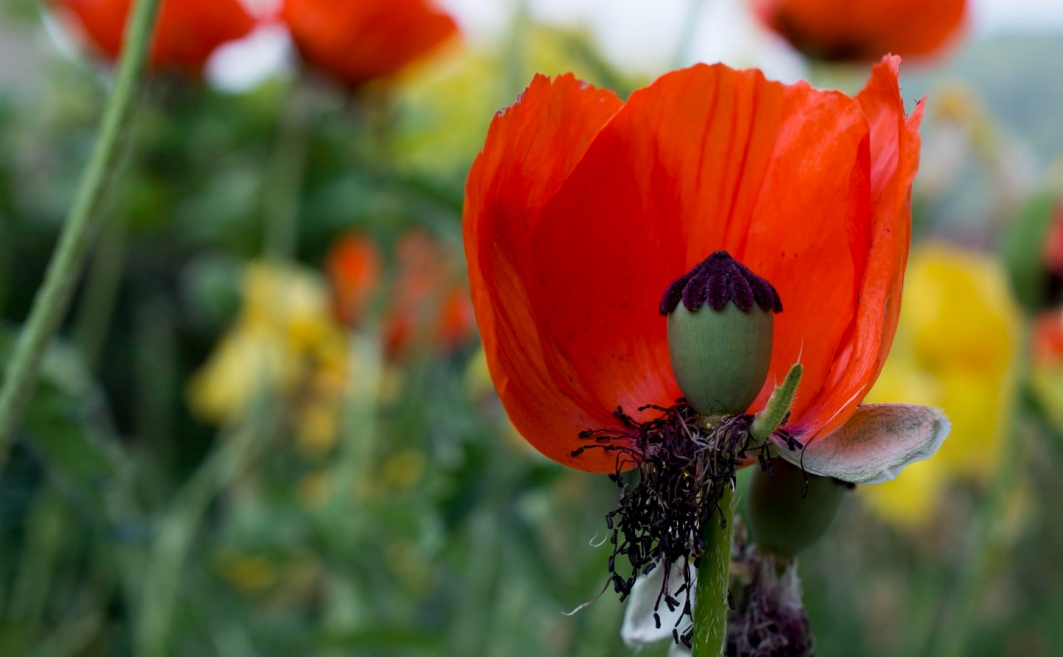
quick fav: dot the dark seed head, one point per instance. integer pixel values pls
(717, 280)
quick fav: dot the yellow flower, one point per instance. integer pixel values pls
(248, 574)
(284, 337)
(404, 470)
(956, 349)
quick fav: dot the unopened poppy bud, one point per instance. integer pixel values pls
(790, 510)
(720, 326)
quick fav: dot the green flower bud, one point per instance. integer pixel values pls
(720, 336)
(784, 516)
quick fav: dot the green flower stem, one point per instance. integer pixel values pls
(282, 197)
(985, 546)
(53, 298)
(228, 459)
(714, 576)
(961, 610)
(101, 291)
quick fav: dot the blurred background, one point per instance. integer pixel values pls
(267, 426)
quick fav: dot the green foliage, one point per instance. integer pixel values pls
(1023, 251)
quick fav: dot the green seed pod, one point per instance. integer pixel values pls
(784, 518)
(720, 336)
(720, 358)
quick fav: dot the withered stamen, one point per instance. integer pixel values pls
(680, 472)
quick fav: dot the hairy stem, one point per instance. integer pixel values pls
(53, 298)
(710, 599)
(768, 420)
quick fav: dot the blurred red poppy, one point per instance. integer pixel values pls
(186, 34)
(356, 41)
(1053, 250)
(354, 269)
(428, 304)
(863, 30)
(1047, 342)
(582, 208)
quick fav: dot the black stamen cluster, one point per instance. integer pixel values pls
(717, 280)
(682, 470)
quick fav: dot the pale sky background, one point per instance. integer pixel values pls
(642, 34)
(638, 35)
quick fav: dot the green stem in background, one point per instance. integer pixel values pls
(156, 350)
(282, 196)
(961, 608)
(53, 298)
(101, 291)
(227, 460)
(714, 578)
(37, 564)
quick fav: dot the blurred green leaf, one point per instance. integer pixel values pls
(1023, 251)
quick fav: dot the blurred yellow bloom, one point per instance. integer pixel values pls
(285, 337)
(315, 489)
(956, 349)
(248, 574)
(404, 470)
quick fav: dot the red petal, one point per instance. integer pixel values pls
(704, 159)
(895, 146)
(530, 149)
(359, 40)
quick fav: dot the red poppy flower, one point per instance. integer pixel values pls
(1047, 342)
(430, 301)
(582, 208)
(354, 269)
(359, 40)
(186, 34)
(863, 30)
(1053, 249)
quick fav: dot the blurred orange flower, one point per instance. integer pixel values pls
(429, 302)
(356, 41)
(186, 34)
(1047, 342)
(354, 269)
(1046, 372)
(1053, 250)
(863, 30)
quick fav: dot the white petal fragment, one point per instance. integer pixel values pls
(874, 446)
(639, 628)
